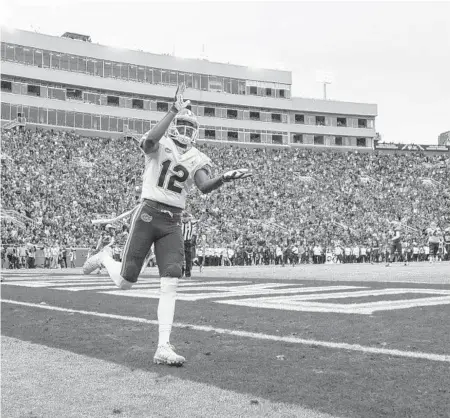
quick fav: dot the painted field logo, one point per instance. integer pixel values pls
(146, 218)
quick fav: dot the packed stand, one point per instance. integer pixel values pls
(298, 207)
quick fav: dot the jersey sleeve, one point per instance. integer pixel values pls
(203, 162)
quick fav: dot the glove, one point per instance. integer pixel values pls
(179, 103)
(240, 173)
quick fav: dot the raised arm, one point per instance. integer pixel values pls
(150, 140)
(206, 184)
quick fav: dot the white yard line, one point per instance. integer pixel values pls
(259, 336)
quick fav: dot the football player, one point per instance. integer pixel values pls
(447, 243)
(434, 239)
(395, 241)
(172, 166)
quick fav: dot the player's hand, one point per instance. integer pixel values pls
(179, 103)
(240, 173)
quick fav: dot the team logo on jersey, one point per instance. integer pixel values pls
(168, 150)
(146, 218)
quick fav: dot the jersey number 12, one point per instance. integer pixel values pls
(180, 175)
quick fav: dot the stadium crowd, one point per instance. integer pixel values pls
(298, 199)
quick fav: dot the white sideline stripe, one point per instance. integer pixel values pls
(344, 346)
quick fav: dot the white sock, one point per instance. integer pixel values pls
(114, 267)
(166, 308)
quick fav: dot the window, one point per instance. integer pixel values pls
(268, 92)
(7, 86)
(162, 107)
(360, 142)
(28, 56)
(232, 114)
(253, 90)
(255, 116)
(108, 69)
(299, 118)
(32, 114)
(137, 104)
(91, 66)
(104, 123)
(92, 98)
(87, 121)
(6, 111)
(10, 52)
(56, 94)
(241, 87)
(320, 120)
(55, 62)
(33, 90)
(173, 78)
(138, 126)
(210, 134)
(215, 83)
(51, 116)
(362, 123)
(297, 139)
(78, 120)
(61, 118)
(148, 75)
(18, 54)
(74, 94)
(38, 58)
(64, 62)
(255, 137)
(234, 86)
(338, 141)
(132, 72)
(196, 81)
(141, 74)
(318, 139)
(341, 121)
(112, 100)
(46, 59)
(73, 62)
(210, 111)
(70, 119)
(204, 82)
(113, 124)
(157, 76)
(81, 66)
(282, 93)
(277, 139)
(276, 117)
(232, 136)
(116, 69)
(42, 115)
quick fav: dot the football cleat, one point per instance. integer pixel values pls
(165, 354)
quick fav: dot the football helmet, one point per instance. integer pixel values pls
(184, 129)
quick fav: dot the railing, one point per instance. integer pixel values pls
(20, 121)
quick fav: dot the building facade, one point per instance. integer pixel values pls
(100, 90)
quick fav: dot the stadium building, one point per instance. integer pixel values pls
(69, 82)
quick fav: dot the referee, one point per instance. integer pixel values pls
(188, 226)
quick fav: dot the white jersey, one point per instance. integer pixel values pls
(169, 175)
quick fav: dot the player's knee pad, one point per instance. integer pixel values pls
(172, 270)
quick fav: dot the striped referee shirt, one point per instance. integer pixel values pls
(188, 229)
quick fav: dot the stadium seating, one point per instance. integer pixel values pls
(60, 181)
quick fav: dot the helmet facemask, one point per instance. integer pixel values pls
(184, 130)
